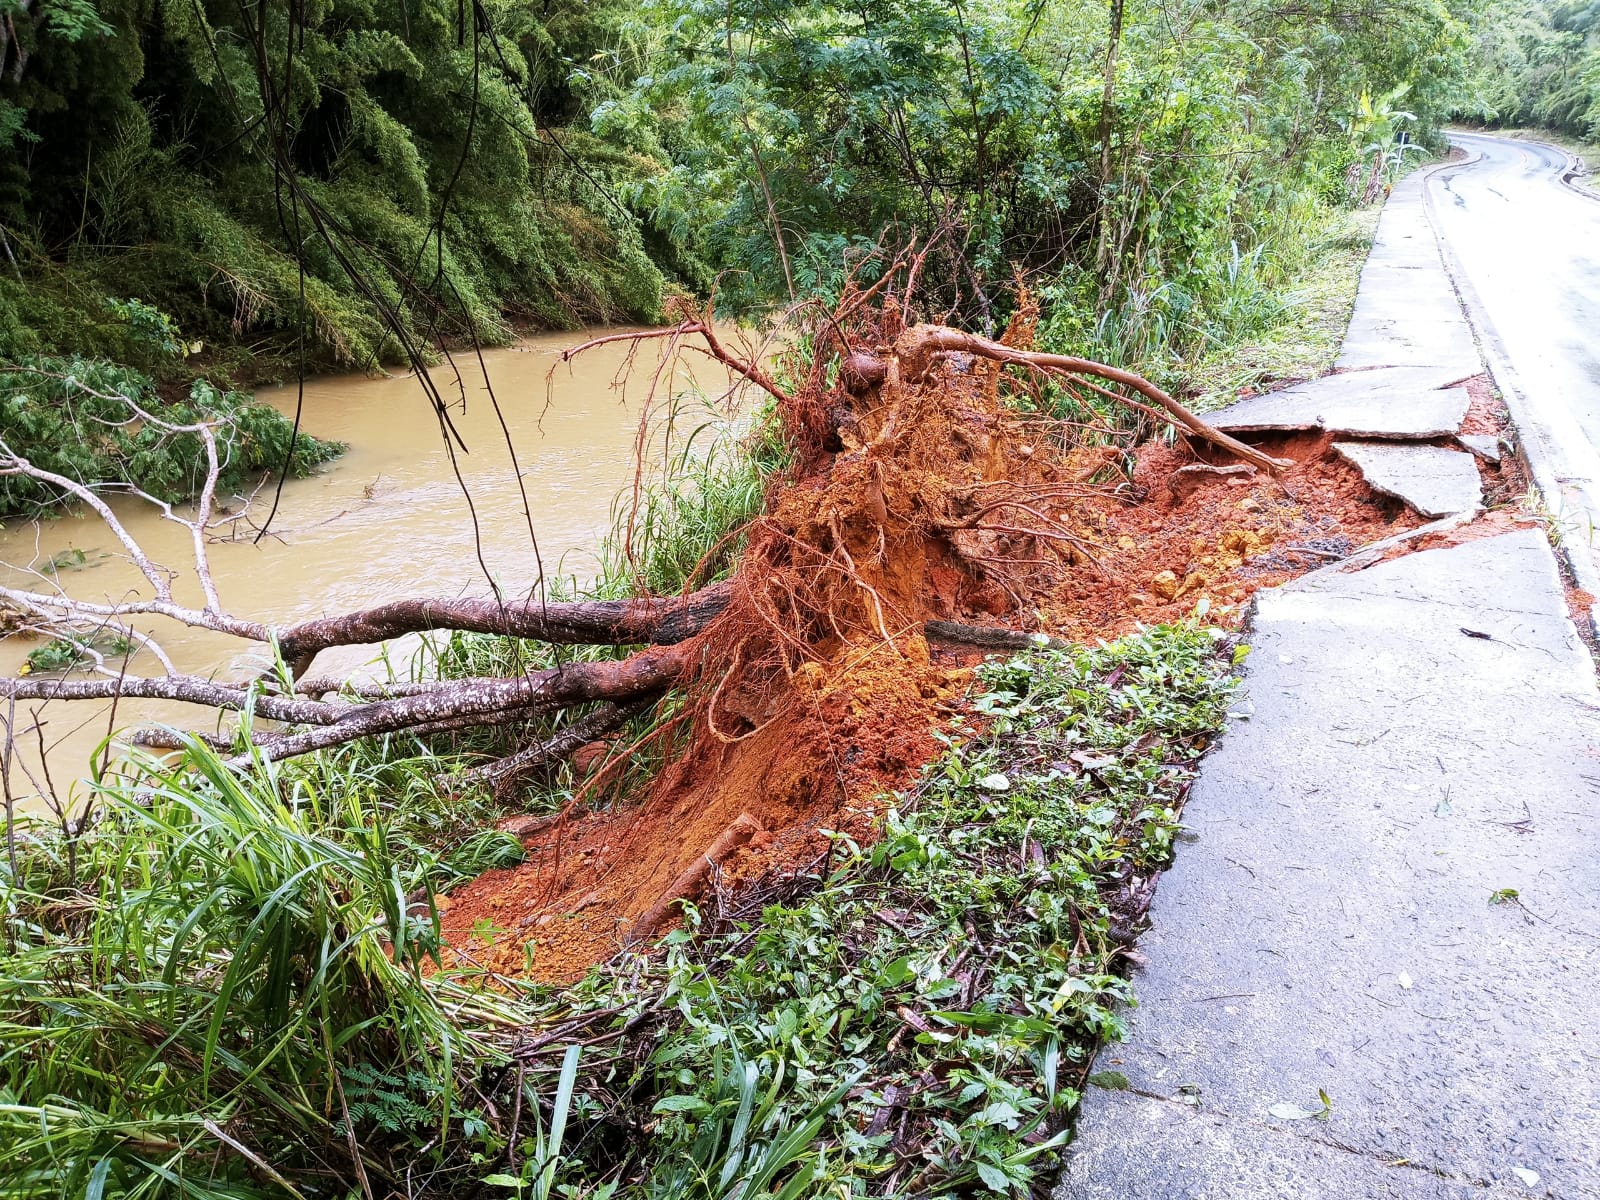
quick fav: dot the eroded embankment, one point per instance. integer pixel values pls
(818, 692)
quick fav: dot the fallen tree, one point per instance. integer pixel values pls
(903, 454)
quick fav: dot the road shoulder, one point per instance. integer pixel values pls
(1368, 971)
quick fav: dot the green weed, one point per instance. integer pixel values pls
(64, 653)
(73, 417)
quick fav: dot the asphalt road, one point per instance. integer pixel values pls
(1529, 246)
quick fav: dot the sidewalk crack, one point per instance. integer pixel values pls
(1331, 1142)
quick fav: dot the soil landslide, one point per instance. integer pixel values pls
(940, 497)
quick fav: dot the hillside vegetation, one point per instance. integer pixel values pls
(1536, 63)
(350, 183)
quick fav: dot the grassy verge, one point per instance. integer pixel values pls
(1304, 340)
(220, 989)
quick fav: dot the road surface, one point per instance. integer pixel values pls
(1526, 250)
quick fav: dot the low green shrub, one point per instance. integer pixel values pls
(72, 417)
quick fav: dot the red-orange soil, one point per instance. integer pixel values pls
(1486, 414)
(819, 696)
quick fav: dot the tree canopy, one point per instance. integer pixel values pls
(373, 175)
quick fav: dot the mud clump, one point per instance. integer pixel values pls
(1229, 535)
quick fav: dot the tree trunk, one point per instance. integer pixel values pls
(1107, 109)
(652, 621)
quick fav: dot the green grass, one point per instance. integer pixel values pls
(182, 998)
(1304, 340)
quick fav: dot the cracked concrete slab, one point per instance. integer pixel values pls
(1218, 1158)
(1417, 738)
(1353, 405)
(1485, 445)
(1434, 480)
(1416, 252)
(1386, 337)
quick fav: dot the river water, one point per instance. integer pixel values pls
(387, 520)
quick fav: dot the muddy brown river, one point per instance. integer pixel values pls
(387, 520)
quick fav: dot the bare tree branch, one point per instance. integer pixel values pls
(184, 689)
(646, 672)
(506, 771)
(649, 621)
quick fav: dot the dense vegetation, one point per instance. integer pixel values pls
(1536, 62)
(360, 180)
(71, 415)
(357, 174)
(292, 186)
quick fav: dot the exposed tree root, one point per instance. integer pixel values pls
(987, 637)
(921, 505)
(917, 345)
(691, 883)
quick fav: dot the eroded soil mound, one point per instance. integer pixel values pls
(817, 693)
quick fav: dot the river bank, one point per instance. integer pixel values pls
(450, 1043)
(402, 512)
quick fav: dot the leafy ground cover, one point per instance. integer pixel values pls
(932, 1008)
(219, 989)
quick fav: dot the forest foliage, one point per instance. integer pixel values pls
(351, 179)
(1536, 63)
(310, 184)
(357, 173)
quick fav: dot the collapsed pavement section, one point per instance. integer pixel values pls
(1370, 972)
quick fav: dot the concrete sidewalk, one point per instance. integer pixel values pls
(1391, 894)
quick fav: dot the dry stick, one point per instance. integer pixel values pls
(244, 1151)
(12, 463)
(714, 347)
(160, 738)
(10, 801)
(603, 720)
(1152, 413)
(254, 631)
(687, 885)
(157, 737)
(646, 672)
(924, 340)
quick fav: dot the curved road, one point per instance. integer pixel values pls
(1527, 258)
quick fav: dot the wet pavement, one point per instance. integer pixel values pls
(1525, 251)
